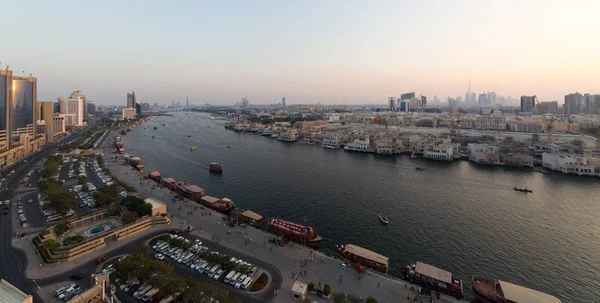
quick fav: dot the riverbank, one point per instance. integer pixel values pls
(189, 214)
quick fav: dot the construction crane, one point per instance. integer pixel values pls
(549, 123)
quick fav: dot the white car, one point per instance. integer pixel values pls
(7, 202)
(159, 257)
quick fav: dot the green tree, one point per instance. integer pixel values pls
(327, 289)
(82, 180)
(311, 286)
(339, 298)
(371, 300)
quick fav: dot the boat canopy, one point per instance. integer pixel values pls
(168, 180)
(209, 199)
(195, 189)
(252, 215)
(291, 226)
(434, 272)
(522, 294)
(367, 254)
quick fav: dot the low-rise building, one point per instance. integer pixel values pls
(128, 113)
(484, 154)
(358, 145)
(384, 147)
(443, 151)
(571, 164)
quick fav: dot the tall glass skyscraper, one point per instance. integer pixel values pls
(22, 106)
(5, 95)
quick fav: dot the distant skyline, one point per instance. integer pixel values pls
(333, 52)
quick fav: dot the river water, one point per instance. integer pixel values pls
(458, 216)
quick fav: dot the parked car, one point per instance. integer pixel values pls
(77, 276)
(159, 257)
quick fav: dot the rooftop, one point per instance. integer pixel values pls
(434, 272)
(252, 215)
(367, 254)
(9, 293)
(299, 287)
(210, 199)
(155, 203)
(522, 294)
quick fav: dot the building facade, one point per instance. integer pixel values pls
(573, 104)
(75, 108)
(528, 103)
(128, 113)
(79, 94)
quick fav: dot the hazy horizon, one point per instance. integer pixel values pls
(333, 52)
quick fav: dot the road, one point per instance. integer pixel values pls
(12, 261)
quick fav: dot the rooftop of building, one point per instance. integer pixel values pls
(9, 293)
(155, 203)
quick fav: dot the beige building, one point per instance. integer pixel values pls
(158, 207)
(58, 124)
(75, 107)
(11, 294)
(128, 113)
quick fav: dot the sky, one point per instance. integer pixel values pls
(333, 52)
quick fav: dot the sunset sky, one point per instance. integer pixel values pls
(334, 52)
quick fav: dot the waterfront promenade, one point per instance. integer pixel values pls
(288, 258)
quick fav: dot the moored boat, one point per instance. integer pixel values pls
(432, 278)
(497, 291)
(154, 175)
(218, 204)
(363, 256)
(215, 167)
(299, 233)
(193, 148)
(190, 191)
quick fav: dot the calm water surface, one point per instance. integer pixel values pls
(458, 216)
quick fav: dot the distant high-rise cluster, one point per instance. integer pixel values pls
(283, 101)
(581, 104)
(245, 102)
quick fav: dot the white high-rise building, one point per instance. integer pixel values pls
(75, 107)
(79, 94)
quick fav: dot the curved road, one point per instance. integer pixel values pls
(11, 260)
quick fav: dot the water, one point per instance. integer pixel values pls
(458, 216)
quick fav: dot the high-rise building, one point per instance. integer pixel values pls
(407, 96)
(75, 107)
(129, 100)
(187, 101)
(595, 105)
(528, 103)
(245, 102)
(483, 100)
(91, 108)
(79, 94)
(62, 101)
(423, 101)
(392, 103)
(548, 107)
(128, 113)
(573, 104)
(283, 101)
(404, 105)
(5, 95)
(138, 107)
(58, 124)
(56, 107)
(22, 108)
(45, 111)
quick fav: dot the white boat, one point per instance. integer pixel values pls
(383, 219)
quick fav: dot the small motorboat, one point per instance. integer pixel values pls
(189, 136)
(228, 146)
(419, 168)
(193, 148)
(383, 219)
(523, 189)
(215, 167)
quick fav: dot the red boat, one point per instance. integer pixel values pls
(190, 191)
(302, 234)
(496, 291)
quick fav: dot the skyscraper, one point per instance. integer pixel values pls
(91, 108)
(22, 108)
(79, 94)
(392, 103)
(5, 95)
(245, 102)
(423, 101)
(283, 101)
(528, 103)
(187, 101)
(130, 100)
(468, 100)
